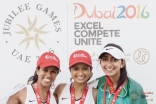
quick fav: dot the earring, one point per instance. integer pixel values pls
(53, 86)
(71, 80)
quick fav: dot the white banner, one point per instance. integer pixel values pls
(29, 28)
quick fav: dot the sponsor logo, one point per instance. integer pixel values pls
(134, 96)
(51, 57)
(79, 55)
(116, 12)
(150, 100)
(141, 56)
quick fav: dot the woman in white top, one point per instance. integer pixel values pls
(38, 92)
(77, 92)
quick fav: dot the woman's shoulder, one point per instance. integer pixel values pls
(21, 93)
(94, 91)
(132, 82)
(61, 85)
(94, 94)
(58, 90)
(134, 85)
(136, 89)
(19, 96)
(101, 80)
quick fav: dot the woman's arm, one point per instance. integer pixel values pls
(95, 94)
(17, 98)
(57, 92)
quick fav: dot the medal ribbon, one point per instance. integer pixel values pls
(72, 94)
(35, 86)
(115, 95)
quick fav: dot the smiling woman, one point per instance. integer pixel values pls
(38, 88)
(116, 87)
(77, 92)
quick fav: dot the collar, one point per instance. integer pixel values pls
(123, 92)
(110, 84)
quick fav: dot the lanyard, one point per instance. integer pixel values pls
(115, 95)
(73, 95)
(38, 95)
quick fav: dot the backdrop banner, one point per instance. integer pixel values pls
(29, 28)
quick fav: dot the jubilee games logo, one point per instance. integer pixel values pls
(31, 28)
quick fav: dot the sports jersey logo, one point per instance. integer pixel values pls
(32, 100)
(64, 98)
(134, 96)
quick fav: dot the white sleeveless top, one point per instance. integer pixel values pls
(65, 96)
(31, 97)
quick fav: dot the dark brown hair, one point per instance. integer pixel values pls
(33, 79)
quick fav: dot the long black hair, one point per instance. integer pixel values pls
(33, 79)
(123, 71)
